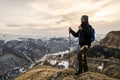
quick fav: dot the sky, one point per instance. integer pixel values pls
(54, 17)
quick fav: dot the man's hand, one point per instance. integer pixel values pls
(70, 29)
(80, 27)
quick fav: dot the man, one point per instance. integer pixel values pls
(84, 34)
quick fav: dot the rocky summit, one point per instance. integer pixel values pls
(112, 39)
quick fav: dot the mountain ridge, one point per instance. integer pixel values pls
(31, 50)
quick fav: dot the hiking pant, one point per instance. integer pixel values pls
(82, 59)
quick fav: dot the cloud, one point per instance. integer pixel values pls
(71, 11)
(58, 14)
(13, 25)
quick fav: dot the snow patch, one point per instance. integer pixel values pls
(64, 63)
(53, 62)
(22, 70)
(32, 65)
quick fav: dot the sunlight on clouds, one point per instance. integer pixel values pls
(108, 13)
(100, 10)
(58, 14)
(101, 15)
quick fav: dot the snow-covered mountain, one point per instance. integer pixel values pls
(17, 56)
(55, 66)
(19, 53)
(8, 37)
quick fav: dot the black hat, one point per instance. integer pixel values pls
(84, 18)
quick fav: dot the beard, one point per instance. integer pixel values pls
(84, 23)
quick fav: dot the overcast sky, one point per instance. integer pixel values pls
(53, 17)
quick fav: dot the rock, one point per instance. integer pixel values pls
(112, 39)
(98, 51)
(61, 66)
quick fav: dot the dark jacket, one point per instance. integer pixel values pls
(84, 35)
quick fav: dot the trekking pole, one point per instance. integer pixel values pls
(69, 48)
(78, 51)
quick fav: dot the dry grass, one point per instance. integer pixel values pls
(50, 73)
(38, 73)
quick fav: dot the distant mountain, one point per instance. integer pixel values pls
(8, 37)
(55, 66)
(20, 55)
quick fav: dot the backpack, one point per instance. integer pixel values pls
(92, 34)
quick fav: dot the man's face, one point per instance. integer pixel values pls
(82, 21)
